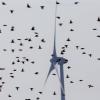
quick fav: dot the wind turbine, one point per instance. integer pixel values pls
(55, 61)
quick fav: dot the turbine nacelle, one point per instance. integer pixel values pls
(59, 60)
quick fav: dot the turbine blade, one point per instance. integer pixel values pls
(50, 70)
(61, 85)
(54, 49)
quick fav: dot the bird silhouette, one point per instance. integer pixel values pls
(98, 19)
(11, 11)
(42, 7)
(90, 86)
(2, 68)
(3, 3)
(17, 88)
(28, 5)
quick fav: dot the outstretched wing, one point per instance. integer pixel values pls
(50, 70)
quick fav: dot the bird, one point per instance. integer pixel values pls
(4, 25)
(12, 28)
(28, 5)
(36, 35)
(68, 39)
(0, 86)
(40, 47)
(68, 67)
(90, 86)
(84, 53)
(67, 76)
(12, 41)
(22, 70)
(98, 36)
(17, 88)
(98, 58)
(2, 68)
(90, 55)
(42, 7)
(33, 28)
(82, 48)
(57, 2)
(62, 53)
(12, 76)
(10, 73)
(80, 80)
(11, 11)
(15, 70)
(94, 29)
(76, 2)
(63, 47)
(40, 92)
(29, 39)
(18, 60)
(27, 59)
(9, 96)
(3, 3)
(0, 78)
(32, 62)
(77, 47)
(31, 89)
(19, 39)
(54, 93)
(71, 29)
(58, 17)
(0, 31)
(20, 49)
(37, 98)
(3, 82)
(54, 74)
(42, 40)
(13, 50)
(71, 22)
(21, 44)
(4, 49)
(31, 47)
(98, 19)
(13, 63)
(36, 73)
(71, 82)
(23, 62)
(60, 24)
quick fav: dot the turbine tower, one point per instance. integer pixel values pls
(57, 61)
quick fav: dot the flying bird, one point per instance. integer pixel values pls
(42, 7)
(17, 88)
(54, 93)
(76, 2)
(98, 19)
(11, 11)
(28, 5)
(71, 22)
(40, 92)
(90, 86)
(68, 67)
(3, 3)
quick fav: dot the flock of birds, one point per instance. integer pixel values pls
(24, 60)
